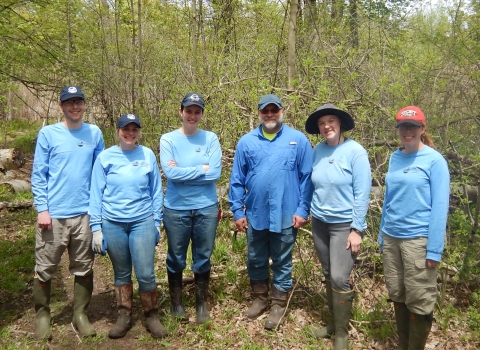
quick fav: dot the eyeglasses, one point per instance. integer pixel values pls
(71, 103)
(407, 127)
(270, 110)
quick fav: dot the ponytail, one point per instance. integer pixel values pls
(425, 138)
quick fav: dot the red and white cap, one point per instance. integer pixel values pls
(410, 114)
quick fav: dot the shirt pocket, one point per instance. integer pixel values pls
(288, 157)
(254, 158)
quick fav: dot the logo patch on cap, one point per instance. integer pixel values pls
(408, 113)
(130, 116)
(72, 89)
(194, 97)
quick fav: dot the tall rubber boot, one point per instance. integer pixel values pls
(201, 292)
(124, 296)
(41, 299)
(82, 294)
(342, 310)
(420, 326)
(329, 329)
(175, 287)
(149, 302)
(279, 304)
(402, 318)
(260, 298)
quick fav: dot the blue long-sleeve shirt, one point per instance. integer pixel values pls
(126, 187)
(416, 199)
(189, 186)
(270, 180)
(62, 168)
(342, 180)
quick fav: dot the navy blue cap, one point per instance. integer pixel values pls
(71, 92)
(269, 99)
(128, 118)
(193, 99)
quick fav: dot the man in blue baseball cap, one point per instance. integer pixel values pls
(62, 167)
(270, 195)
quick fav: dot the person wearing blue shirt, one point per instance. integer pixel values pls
(270, 194)
(125, 217)
(412, 227)
(191, 160)
(62, 166)
(342, 180)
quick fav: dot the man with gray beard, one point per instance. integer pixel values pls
(270, 195)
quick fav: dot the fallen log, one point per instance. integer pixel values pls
(16, 205)
(17, 185)
(11, 158)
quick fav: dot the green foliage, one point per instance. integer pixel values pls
(373, 322)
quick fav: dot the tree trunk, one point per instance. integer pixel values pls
(11, 158)
(291, 59)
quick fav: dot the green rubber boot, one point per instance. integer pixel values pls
(342, 310)
(82, 291)
(329, 329)
(402, 318)
(420, 326)
(41, 299)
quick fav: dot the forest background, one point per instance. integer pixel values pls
(369, 57)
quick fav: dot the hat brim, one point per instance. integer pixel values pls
(122, 125)
(263, 105)
(187, 104)
(346, 119)
(408, 121)
(69, 97)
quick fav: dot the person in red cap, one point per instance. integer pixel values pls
(412, 228)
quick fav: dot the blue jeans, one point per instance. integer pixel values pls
(263, 244)
(330, 242)
(183, 226)
(132, 243)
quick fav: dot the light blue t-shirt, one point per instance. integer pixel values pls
(342, 180)
(62, 168)
(416, 199)
(126, 187)
(188, 185)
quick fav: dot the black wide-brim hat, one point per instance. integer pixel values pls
(346, 119)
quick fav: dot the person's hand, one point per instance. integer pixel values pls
(242, 224)
(206, 167)
(172, 163)
(431, 264)
(97, 241)
(298, 221)
(354, 242)
(44, 220)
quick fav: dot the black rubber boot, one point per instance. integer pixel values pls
(201, 291)
(279, 305)
(260, 298)
(402, 318)
(420, 326)
(342, 310)
(175, 287)
(41, 299)
(149, 302)
(82, 295)
(124, 296)
(329, 329)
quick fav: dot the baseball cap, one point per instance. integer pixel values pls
(193, 99)
(71, 92)
(410, 114)
(126, 119)
(269, 99)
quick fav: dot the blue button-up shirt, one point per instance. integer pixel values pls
(270, 180)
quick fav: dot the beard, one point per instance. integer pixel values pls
(270, 125)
